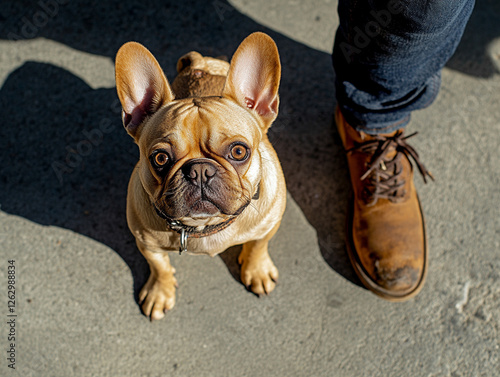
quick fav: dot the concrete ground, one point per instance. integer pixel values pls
(64, 165)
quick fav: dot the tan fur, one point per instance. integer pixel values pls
(207, 114)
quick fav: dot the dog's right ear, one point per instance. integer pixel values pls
(141, 85)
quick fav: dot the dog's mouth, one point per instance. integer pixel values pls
(205, 219)
(200, 210)
(203, 209)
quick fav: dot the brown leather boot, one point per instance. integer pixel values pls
(386, 239)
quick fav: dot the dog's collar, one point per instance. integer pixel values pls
(186, 231)
(194, 232)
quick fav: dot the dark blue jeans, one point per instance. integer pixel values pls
(388, 56)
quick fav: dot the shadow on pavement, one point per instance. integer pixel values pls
(473, 55)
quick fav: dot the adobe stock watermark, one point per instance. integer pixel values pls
(363, 37)
(48, 9)
(222, 8)
(91, 140)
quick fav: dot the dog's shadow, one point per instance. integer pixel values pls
(66, 159)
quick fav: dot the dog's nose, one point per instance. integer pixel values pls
(199, 172)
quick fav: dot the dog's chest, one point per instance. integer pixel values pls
(210, 245)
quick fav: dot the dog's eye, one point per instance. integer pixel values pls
(159, 159)
(239, 152)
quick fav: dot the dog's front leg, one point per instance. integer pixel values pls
(158, 294)
(258, 271)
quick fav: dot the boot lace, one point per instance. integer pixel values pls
(383, 177)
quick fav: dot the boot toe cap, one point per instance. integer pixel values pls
(397, 280)
(392, 282)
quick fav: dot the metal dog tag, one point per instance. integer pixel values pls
(184, 237)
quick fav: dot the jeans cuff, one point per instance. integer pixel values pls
(389, 120)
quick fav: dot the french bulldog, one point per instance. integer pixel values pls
(207, 177)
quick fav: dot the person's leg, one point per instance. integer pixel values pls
(387, 58)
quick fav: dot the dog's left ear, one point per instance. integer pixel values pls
(254, 77)
(141, 85)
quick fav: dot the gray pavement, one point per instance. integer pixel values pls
(64, 165)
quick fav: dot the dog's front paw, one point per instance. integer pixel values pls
(158, 295)
(259, 275)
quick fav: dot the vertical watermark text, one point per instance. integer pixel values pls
(11, 314)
